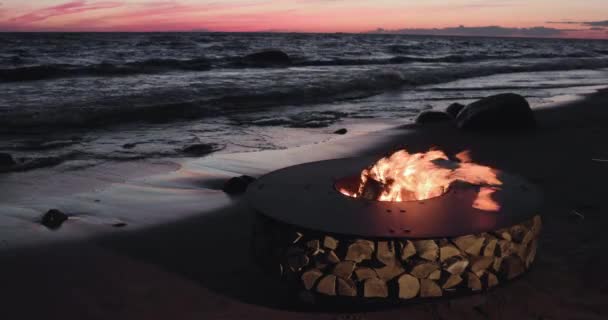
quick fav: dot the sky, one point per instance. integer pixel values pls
(540, 18)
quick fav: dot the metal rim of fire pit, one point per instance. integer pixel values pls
(305, 196)
(326, 245)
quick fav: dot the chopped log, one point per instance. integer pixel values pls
(368, 243)
(375, 288)
(518, 232)
(537, 225)
(491, 280)
(332, 257)
(310, 277)
(435, 275)
(408, 250)
(423, 270)
(531, 253)
(427, 249)
(503, 234)
(528, 237)
(386, 252)
(330, 243)
(504, 248)
(452, 281)
(429, 288)
(314, 247)
(448, 251)
(480, 264)
(473, 282)
(344, 269)
(364, 273)
(497, 263)
(512, 266)
(372, 189)
(391, 271)
(470, 244)
(409, 286)
(297, 262)
(347, 288)
(490, 249)
(519, 250)
(456, 265)
(358, 252)
(327, 285)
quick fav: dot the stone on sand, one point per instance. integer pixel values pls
(432, 116)
(53, 219)
(268, 57)
(341, 131)
(506, 112)
(200, 149)
(237, 185)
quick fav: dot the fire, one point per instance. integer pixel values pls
(408, 177)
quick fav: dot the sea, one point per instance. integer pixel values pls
(80, 99)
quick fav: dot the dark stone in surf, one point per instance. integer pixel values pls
(53, 219)
(237, 185)
(129, 145)
(200, 149)
(341, 131)
(506, 112)
(454, 109)
(6, 160)
(268, 58)
(432, 116)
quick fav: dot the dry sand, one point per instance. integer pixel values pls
(196, 264)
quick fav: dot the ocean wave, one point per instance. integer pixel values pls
(147, 108)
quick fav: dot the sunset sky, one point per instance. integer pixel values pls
(582, 19)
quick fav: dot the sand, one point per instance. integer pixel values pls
(184, 252)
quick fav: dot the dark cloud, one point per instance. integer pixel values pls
(492, 31)
(603, 23)
(597, 23)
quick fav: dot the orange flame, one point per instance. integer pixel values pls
(407, 177)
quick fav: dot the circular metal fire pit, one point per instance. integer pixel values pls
(324, 243)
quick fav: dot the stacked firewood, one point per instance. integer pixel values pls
(330, 265)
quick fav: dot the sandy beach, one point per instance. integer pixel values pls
(184, 252)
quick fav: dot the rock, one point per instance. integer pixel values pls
(454, 109)
(341, 131)
(200, 149)
(432, 116)
(237, 185)
(268, 58)
(53, 219)
(507, 112)
(129, 145)
(6, 160)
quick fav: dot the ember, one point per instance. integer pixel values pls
(409, 177)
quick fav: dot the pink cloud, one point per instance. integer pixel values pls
(63, 9)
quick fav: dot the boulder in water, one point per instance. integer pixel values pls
(237, 185)
(506, 112)
(454, 109)
(200, 149)
(53, 219)
(268, 58)
(6, 160)
(432, 116)
(341, 131)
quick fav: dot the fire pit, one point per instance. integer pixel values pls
(330, 230)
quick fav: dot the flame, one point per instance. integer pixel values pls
(408, 177)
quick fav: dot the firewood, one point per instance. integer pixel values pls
(422, 269)
(537, 225)
(528, 237)
(375, 288)
(504, 248)
(448, 251)
(427, 249)
(429, 288)
(344, 269)
(531, 254)
(310, 277)
(364, 273)
(497, 263)
(314, 247)
(512, 266)
(491, 280)
(358, 252)
(327, 285)
(409, 286)
(391, 271)
(503, 234)
(490, 249)
(347, 288)
(470, 244)
(330, 243)
(480, 264)
(368, 243)
(452, 281)
(435, 275)
(386, 252)
(408, 250)
(297, 262)
(473, 282)
(372, 189)
(518, 232)
(456, 265)
(331, 257)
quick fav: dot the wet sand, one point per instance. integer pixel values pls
(184, 253)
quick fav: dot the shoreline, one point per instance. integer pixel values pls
(184, 253)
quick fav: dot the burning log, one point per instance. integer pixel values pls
(371, 189)
(409, 286)
(423, 269)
